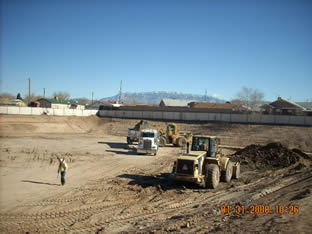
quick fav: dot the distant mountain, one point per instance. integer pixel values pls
(155, 97)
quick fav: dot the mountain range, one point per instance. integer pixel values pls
(156, 96)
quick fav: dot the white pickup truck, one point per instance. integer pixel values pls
(148, 142)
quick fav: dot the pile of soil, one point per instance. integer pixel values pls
(270, 156)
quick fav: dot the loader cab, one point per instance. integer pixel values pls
(205, 143)
(171, 129)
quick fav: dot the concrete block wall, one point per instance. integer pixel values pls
(184, 116)
(308, 120)
(223, 117)
(25, 111)
(4, 109)
(16, 110)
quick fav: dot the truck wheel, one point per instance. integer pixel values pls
(212, 176)
(162, 141)
(181, 141)
(226, 175)
(236, 171)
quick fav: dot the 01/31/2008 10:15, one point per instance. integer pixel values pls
(259, 209)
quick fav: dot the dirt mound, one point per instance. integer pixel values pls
(21, 125)
(270, 156)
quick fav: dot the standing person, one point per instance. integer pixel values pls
(62, 169)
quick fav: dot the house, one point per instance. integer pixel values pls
(96, 105)
(217, 107)
(11, 102)
(266, 109)
(283, 107)
(307, 106)
(59, 104)
(166, 102)
(105, 105)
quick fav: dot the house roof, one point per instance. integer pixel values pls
(175, 102)
(285, 104)
(307, 105)
(106, 102)
(54, 101)
(213, 105)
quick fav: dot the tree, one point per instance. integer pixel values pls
(7, 95)
(132, 100)
(83, 101)
(6, 98)
(19, 96)
(62, 95)
(33, 97)
(250, 98)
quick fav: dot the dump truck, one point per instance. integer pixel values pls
(148, 142)
(204, 164)
(134, 133)
(172, 135)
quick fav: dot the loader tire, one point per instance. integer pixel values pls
(226, 175)
(181, 141)
(236, 171)
(212, 176)
(162, 141)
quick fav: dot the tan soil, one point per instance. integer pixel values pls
(110, 189)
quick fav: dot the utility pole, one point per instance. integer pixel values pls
(92, 98)
(205, 95)
(29, 90)
(44, 92)
(120, 92)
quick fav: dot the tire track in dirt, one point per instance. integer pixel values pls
(68, 219)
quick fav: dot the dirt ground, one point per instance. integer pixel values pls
(110, 189)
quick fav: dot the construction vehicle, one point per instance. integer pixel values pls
(204, 164)
(172, 135)
(148, 142)
(134, 133)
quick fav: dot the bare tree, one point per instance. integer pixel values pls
(309, 103)
(6, 98)
(33, 97)
(7, 95)
(132, 100)
(62, 95)
(250, 98)
(83, 101)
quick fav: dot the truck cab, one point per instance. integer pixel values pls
(148, 142)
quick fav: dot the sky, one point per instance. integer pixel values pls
(220, 46)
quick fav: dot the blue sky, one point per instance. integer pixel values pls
(183, 46)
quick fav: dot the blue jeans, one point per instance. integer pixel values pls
(63, 177)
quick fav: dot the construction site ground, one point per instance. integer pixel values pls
(110, 189)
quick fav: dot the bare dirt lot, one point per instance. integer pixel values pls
(110, 189)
